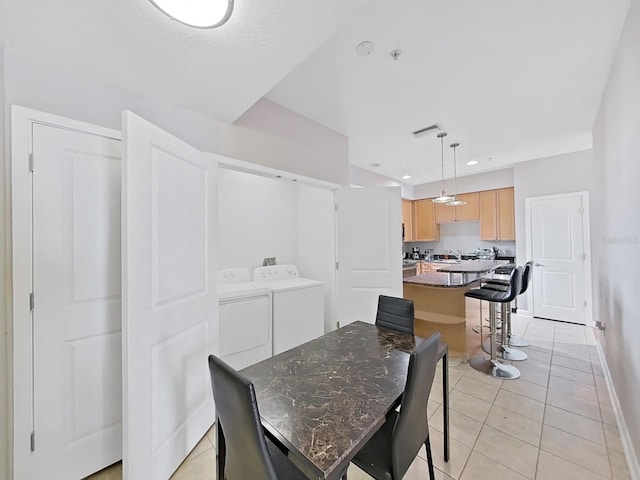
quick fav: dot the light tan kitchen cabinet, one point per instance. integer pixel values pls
(506, 215)
(424, 215)
(464, 213)
(407, 219)
(497, 214)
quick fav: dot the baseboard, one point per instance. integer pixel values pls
(625, 438)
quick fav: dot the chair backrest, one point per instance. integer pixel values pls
(246, 455)
(412, 428)
(515, 286)
(526, 276)
(395, 313)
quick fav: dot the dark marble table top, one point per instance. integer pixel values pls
(324, 399)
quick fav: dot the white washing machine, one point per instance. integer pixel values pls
(298, 305)
(246, 327)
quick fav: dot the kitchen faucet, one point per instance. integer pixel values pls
(459, 255)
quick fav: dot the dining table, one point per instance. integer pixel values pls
(321, 401)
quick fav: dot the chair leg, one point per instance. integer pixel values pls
(427, 446)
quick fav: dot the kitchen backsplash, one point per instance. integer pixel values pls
(464, 236)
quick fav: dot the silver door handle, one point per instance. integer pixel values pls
(538, 265)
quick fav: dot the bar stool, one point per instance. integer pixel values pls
(492, 366)
(516, 340)
(506, 351)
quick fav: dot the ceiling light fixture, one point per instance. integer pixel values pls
(406, 177)
(196, 13)
(443, 198)
(455, 202)
(472, 162)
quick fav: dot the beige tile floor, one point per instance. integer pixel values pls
(553, 423)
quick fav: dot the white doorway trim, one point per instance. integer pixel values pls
(586, 235)
(20, 328)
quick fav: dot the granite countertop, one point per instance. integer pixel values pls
(439, 279)
(325, 398)
(472, 266)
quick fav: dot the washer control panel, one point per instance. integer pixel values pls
(274, 272)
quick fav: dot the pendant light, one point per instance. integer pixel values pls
(455, 202)
(196, 13)
(443, 198)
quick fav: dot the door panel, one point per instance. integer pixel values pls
(77, 320)
(170, 308)
(369, 250)
(559, 261)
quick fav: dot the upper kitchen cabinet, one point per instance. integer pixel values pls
(497, 217)
(463, 213)
(407, 220)
(425, 227)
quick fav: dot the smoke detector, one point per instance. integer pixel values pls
(365, 49)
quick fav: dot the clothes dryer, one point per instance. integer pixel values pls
(298, 305)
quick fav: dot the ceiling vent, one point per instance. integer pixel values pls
(427, 130)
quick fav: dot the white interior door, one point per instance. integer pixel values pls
(77, 380)
(369, 250)
(170, 302)
(559, 255)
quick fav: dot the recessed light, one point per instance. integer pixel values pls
(406, 177)
(472, 162)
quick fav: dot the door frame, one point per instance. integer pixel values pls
(20, 351)
(586, 237)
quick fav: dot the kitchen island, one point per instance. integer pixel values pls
(440, 304)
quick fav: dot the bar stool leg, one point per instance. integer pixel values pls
(516, 340)
(505, 351)
(492, 366)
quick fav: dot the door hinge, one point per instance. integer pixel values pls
(31, 162)
(337, 266)
(335, 207)
(585, 303)
(584, 257)
(32, 302)
(33, 441)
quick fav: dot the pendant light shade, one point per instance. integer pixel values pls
(196, 13)
(455, 202)
(443, 198)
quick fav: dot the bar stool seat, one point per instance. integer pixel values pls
(492, 366)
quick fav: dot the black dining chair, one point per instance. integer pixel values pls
(247, 452)
(390, 452)
(395, 313)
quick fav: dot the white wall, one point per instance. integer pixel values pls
(617, 242)
(365, 178)
(5, 296)
(257, 218)
(572, 172)
(317, 244)
(327, 154)
(470, 183)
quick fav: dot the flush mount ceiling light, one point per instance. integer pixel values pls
(472, 162)
(406, 177)
(196, 13)
(443, 198)
(455, 202)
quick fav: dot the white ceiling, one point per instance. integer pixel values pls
(508, 79)
(129, 43)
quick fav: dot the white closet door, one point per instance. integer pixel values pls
(369, 233)
(170, 302)
(77, 381)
